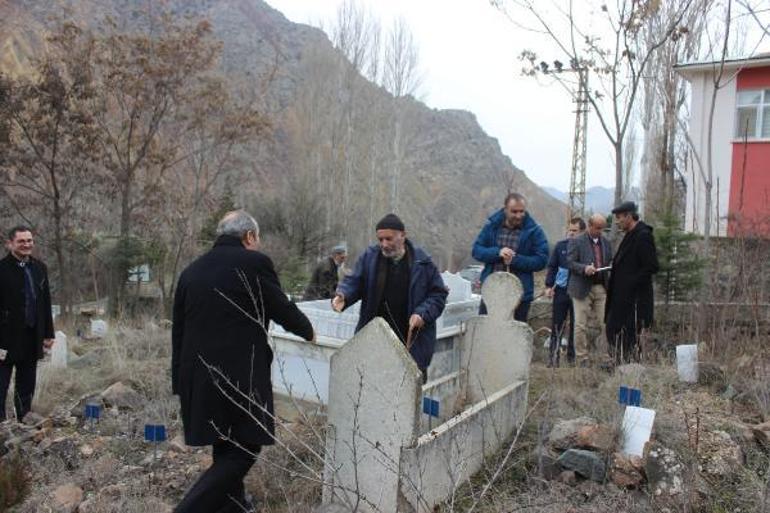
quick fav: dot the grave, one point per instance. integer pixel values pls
(301, 368)
(59, 351)
(380, 454)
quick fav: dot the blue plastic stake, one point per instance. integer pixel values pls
(155, 433)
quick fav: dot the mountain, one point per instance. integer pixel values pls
(452, 174)
(598, 199)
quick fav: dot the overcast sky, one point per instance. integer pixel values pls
(469, 60)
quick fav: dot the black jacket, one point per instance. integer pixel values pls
(323, 283)
(223, 306)
(630, 288)
(12, 322)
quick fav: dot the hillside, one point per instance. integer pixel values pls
(453, 175)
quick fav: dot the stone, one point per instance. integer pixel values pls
(626, 471)
(66, 498)
(564, 433)
(730, 393)
(547, 464)
(720, 455)
(664, 471)
(66, 450)
(42, 434)
(32, 419)
(597, 437)
(122, 396)
(98, 328)
(631, 373)
(78, 410)
(711, 374)
(369, 374)
(495, 350)
(567, 477)
(177, 444)
(88, 506)
(86, 451)
(586, 463)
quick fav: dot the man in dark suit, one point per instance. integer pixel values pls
(220, 364)
(630, 299)
(26, 322)
(587, 254)
(556, 280)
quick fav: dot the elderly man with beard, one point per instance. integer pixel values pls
(398, 281)
(511, 241)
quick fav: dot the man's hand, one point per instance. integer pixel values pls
(507, 255)
(415, 322)
(48, 343)
(338, 303)
(590, 270)
(549, 292)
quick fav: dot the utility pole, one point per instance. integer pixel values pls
(577, 183)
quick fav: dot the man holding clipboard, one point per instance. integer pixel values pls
(589, 256)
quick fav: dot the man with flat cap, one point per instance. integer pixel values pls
(398, 281)
(630, 300)
(323, 282)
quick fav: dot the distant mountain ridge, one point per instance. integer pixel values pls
(598, 199)
(454, 174)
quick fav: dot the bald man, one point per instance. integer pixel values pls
(588, 256)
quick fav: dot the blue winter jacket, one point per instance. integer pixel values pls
(531, 254)
(427, 296)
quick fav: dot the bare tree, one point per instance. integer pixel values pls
(51, 153)
(606, 43)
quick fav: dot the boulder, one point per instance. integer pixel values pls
(564, 433)
(664, 471)
(626, 471)
(122, 396)
(66, 498)
(720, 454)
(598, 437)
(32, 419)
(586, 463)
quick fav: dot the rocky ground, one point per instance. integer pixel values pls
(710, 450)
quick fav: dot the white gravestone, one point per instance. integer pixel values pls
(98, 328)
(496, 350)
(59, 350)
(459, 287)
(370, 374)
(687, 363)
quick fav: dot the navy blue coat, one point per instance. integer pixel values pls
(427, 296)
(558, 259)
(531, 255)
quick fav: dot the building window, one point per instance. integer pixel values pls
(752, 119)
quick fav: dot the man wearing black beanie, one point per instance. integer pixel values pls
(383, 278)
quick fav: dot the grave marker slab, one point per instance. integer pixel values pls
(59, 350)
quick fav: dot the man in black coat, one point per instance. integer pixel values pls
(323, 282)
(26, 323)
(220, 364)
(630, 300)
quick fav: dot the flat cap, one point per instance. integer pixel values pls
(339, 249)
(626, 206)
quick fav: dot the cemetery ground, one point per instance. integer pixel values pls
(710, 448)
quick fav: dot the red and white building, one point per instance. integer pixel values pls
(740, 146)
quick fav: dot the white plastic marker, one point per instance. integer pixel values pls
(604, 269)
(687, 363)
(636, 429)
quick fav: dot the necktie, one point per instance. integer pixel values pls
(30, 297)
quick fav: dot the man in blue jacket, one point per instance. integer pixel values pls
(511, 241)
(556, 281)
(399, 282)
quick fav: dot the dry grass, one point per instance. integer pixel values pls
(14, 481)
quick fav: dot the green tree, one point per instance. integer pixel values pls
(681, 267)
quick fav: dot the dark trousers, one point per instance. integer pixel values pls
(521, 313)
(220, 488)
(622, 339)
(24, 386)
(562, 307)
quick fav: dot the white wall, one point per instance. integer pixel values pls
(722, 136)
